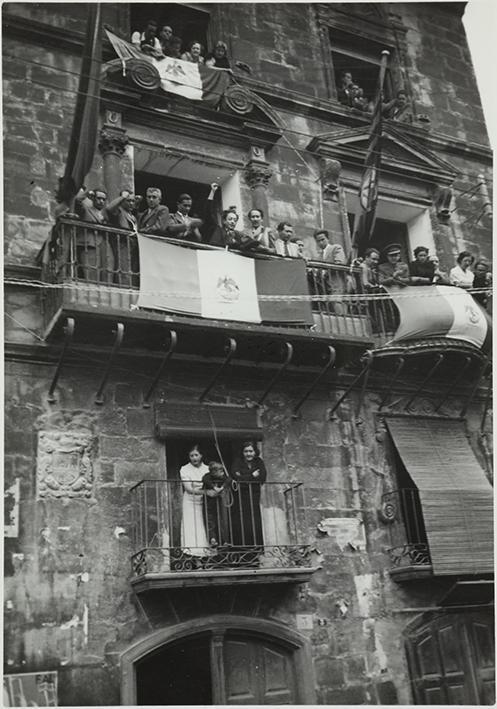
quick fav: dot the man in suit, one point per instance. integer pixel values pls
(155, 219)
(122, 214)
(93, 249)
(330, 253)
(284, 245)
(181, 224)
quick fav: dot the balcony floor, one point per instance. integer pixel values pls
(185, 579)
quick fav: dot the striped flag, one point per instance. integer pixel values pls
(85, 122)
(368, 190)
(440, 311)
(219, 284)
(194, 81)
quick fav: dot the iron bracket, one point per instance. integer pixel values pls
(167, 356)
(485, 365)
(288, 359)
(330, 362)
(117, 344)
(231, 349)
(439, 359)
(400, 365)
(351, 386)
(68, 332)
(467, 362)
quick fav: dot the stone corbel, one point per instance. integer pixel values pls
(112, 139)
(257, 174)
(443, 201)
(330, 178)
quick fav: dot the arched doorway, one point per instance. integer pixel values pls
(452, 659)
(219, 660)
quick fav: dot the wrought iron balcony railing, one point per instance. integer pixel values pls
(111, 279)
(408, 541)
(248, 526)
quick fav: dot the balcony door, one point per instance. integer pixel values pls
(218, 668)
(452, 660)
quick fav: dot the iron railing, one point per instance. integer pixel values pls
(109, 276)
(248, 525)
(407, 535)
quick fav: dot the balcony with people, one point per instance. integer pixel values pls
(218, 523)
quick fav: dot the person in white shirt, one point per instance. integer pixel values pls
(284, 244)
(330, 253)
(461, 275)
(147, 40)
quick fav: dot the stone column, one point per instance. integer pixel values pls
(112, 144)
(257, 175)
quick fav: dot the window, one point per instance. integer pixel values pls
(189, 22)
(362, 58)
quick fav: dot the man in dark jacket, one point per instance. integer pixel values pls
(155, 219)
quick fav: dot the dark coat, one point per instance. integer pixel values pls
(246, 521)
(154, 222)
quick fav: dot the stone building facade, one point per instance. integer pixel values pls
(84, 424)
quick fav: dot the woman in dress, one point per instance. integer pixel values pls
(193, 54)
(461, 275)
(193, 533)
(246, 521)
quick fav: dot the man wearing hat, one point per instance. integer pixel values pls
(393, 272)
(330, 253)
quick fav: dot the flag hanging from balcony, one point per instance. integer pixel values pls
(85, 122)
(368, 189)
(220, 285)
(440, 311)
(194, 81)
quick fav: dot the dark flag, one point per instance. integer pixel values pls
(85, 122)
(368, 190)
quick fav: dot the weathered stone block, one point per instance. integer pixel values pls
(387, 693)
(140, 422)
(329, 672)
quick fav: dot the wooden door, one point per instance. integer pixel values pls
(451, 661)
(257, 671)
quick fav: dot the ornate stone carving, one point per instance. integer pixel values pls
(64, 467)
(238, 100)
(257, 174)
(112, 140)
(442, 204)
(330, 176)
(141, 74)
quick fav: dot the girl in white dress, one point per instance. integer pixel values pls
(193, 534)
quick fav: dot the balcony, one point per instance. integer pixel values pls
(408, 544)
(108, 292)
(250, 534)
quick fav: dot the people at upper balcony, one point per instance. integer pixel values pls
(181, 224)
(398, 108)
(147, 40)
(218, 58)
(284, 244)
(225, 233)
(193, 53)
(165, 36)
(393, 272)
(94, 253)
(482, 279)
(248, 475)
(259, 231)
(154, 219)
(440, 277)
(194, 539)
(174, 49)
(462, 275)
(330, 253)
(215, 484)
(301, 248)
(122, 214)
(421, 270)
(358, 100)
(369, 270)
(344, 91)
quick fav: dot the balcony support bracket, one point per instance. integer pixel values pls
(230, 353)
(400, 365)
(438, 361)
(363, 373)
(368, 359)
(173, 341)
(99, 399)
(329, 363)
(288, 359)
(483, 370)
(68, 332)
(467, 362)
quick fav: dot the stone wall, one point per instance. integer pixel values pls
(67, 595)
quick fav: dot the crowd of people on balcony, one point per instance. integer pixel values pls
(221, 511)
(377, 269)
(164, 43)
(350, 94)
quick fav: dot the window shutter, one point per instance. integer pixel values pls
(456, 497)
(184, 420)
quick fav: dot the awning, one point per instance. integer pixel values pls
(456, 497)
(174, 419)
